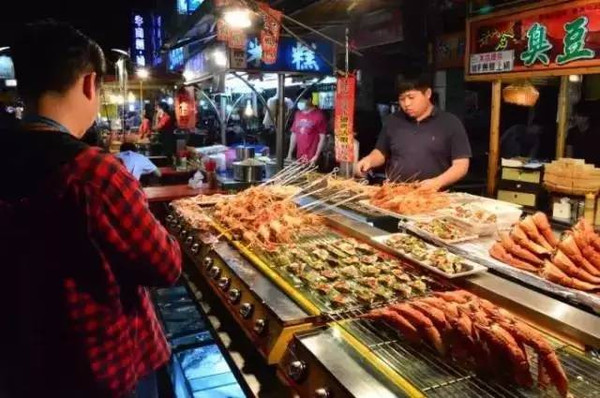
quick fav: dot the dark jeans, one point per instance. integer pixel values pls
(146, 387)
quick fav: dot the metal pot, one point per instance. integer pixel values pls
(248, 173)
(270, 169)
(244, 152)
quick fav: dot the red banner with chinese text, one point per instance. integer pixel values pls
(269, 36)
(185, 108)
(344, 118)
(237, 39)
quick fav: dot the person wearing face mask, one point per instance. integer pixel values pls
(421, 142)
(308, 131)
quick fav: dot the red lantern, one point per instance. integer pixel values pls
(185, 108)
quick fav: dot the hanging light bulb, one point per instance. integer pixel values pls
(248, 112)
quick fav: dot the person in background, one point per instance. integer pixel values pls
(78, 243)
(308, 131)
(165, 126)
(583, 138)
(137, 164)
(421, 142)
(145, 130)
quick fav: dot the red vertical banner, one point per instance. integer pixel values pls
(344, 118)
(269, 36)
(185, 108)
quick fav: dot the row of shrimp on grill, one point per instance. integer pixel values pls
(572, 261)
(479, 334)
(408, 199)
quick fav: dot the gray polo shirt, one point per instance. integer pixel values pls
(421, 150)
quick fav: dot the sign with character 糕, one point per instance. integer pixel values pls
(563, 36)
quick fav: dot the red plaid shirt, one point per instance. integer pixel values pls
(83, 252)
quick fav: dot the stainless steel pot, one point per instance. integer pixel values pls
(244, 152)
(248, 173)
(270, 169)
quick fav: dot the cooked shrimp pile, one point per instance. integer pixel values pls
(262, 218)
(407, 199)
(573, 262)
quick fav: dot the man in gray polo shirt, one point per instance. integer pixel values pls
(421, 142)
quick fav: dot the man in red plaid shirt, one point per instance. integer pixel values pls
(78, 244)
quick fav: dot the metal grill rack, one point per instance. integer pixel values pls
(438, 377)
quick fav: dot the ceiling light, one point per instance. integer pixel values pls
(143, 73)
(238, 18)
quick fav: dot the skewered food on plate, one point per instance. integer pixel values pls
(444, 230)
(407, 199)
(446, 261)
(477, 332)
(471, 213)
(572, 261)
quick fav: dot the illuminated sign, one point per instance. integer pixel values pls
(146, 39)
(7, 70)
(310, 56)
(188, 6)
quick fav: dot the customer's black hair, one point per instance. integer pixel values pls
(50, 56)
(164, 106)
(421, 83)
(128, 146)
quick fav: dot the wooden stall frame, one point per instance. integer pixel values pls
(497, 78)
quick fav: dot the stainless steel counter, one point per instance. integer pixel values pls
(321, 363)
(273, 298)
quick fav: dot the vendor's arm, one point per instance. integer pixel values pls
(455, 173)
(319, 148)
(377, 157)
(373, 160)
(292, 146)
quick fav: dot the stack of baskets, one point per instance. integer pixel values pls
(572, 177)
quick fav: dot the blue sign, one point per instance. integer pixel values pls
(293, 56)
(176, 59)
(188, 6)
(146, 39)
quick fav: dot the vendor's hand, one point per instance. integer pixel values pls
(362, 167)
(431, 185)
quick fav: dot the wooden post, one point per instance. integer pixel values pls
(494, 154)
(561, 132)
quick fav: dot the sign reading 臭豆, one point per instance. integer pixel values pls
(562, 36)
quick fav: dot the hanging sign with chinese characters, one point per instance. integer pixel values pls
(185, 108)
(311, 56)
(344, 118)
(540, 41)
(269, 36)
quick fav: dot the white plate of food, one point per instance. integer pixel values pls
(435, 259)
(442, 230)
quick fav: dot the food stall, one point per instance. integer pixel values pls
(344, 308)
(517, 46)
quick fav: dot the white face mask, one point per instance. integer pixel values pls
(302, 105)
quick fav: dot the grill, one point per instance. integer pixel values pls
(438, 377)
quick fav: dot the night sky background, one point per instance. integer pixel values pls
(106, 21)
